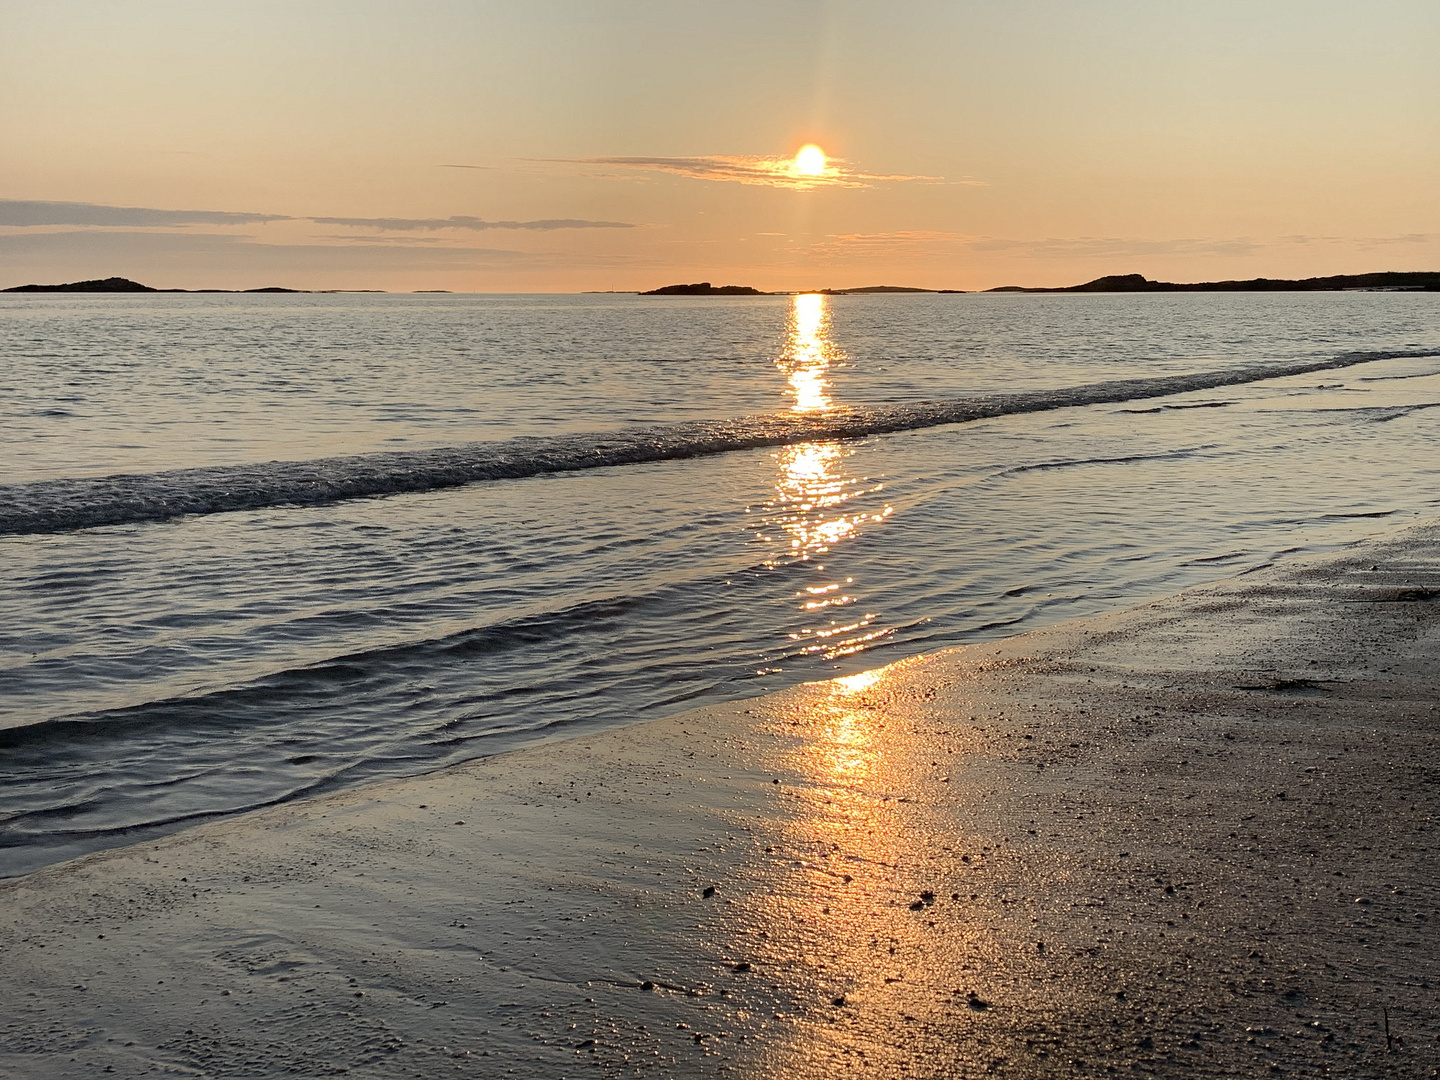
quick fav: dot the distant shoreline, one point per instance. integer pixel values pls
(1387, 281)
(125, 285)
(1384, 281)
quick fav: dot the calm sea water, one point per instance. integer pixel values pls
(160, 672)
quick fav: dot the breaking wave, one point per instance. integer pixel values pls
(59, 505)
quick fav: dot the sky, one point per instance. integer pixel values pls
(597, 145)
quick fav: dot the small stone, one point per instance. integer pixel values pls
(918, 905)
(839, 1002)
(742, 966)
(1363, 900)
(647, 985)
(976, 1002)
(708, 891)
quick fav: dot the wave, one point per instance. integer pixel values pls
(60, 505)
(1125, 459)
(362, 672)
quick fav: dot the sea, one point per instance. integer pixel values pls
(259, 547)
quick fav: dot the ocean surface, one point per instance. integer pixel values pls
(258, 547)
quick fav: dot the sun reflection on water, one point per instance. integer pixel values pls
(808, 352)
(814, 488)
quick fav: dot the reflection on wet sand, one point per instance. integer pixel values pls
(1092, 850)
(846, 925)
(900, 928)
(813, 488)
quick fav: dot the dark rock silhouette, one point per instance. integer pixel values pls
(109, 284)
(1427, 281)
(704, 288)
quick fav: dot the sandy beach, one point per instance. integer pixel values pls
(1193, 838)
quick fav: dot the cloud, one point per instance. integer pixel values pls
(1114, 247)
(902, 237)
(120, 243)
(1362, 241)
(765, 171)
(474, 224)
(29, 213)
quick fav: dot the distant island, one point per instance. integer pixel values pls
(1418, 281)
(125, 285)
(704, 288)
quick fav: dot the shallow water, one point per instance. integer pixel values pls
(153, 673)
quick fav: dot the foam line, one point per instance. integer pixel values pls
(59, 505)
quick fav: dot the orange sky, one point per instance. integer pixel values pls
(569, 146)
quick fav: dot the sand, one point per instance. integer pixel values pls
(1196, 837)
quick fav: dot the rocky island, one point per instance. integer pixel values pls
(704, 288)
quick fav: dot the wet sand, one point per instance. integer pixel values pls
(1196, 837)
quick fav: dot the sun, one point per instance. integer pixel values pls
(810, 161)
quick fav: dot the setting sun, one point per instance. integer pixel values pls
(810, 161)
